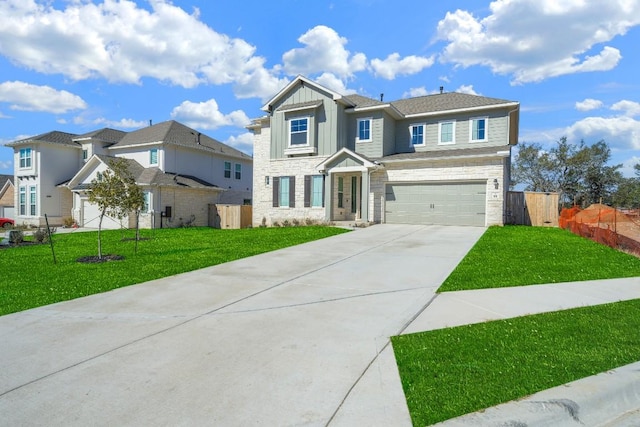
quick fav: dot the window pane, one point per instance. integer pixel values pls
(238, 171)
(227, 169)
(364, 129)
(478, 129)
(446, 132)
(32, 200)
(316, 190)
(299, 131)
(23, 201)
(417, 135)
(284, 191)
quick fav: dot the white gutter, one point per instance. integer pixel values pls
(462, 110)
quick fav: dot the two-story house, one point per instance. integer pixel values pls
(436, 159)
(181, 171)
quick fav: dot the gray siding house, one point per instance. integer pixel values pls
(436, 159)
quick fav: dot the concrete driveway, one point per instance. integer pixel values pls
(298, 336)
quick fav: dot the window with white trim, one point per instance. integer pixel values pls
(478, 129)
(85, 154)
(32, 200)
(238, 171)
(299, 131)
(227, 169)
(146, 207)
(417, 134)
(22, 201)
(364, 130)
(153, 156)
(25, 158)
(447, 132)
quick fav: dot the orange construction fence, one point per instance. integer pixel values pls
(603, 224)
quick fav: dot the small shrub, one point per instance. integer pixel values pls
(295, 222)
(40, 236)
(68, 222)
(264, 222)
(16, 237)
(309, 221)
(286, 223)
(275, 224)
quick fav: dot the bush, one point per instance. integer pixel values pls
(16, 237)
(41, 235)
(68, 222)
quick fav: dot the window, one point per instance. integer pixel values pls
(25, 158)
(417, 134)
(364, 130)
(227, 169)
(478, 129)
(284, 191)
(340, 192)
(32, 200)
(85, 154)
(299, 134)
(22, 200)
(146, 207)
(238, 171)
(153, 156)
(313, 191)
(447, 132)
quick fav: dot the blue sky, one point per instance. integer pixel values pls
(81, 65)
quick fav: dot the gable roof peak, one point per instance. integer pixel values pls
(302, 80)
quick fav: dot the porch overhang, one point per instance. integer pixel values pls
(346, 160)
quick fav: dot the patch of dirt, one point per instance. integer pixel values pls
(95, 259)
(17, 245)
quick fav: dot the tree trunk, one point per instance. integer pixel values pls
(99, 237)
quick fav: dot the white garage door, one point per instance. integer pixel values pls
(458, 203)
(91, 217)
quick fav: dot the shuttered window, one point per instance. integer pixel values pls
(313, 191)
(284, 191)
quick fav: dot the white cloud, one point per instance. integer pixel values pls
(415, 92)
(104, 122)
(242, 142)
(588, 104)
(392, 66)
(628, 169)
(332, 82)
(619, 132)
(28, 97)
(206, 115)
(323, 51)
(628, 108)
(6, 165)
(533, 40)
(468, 89)
(122, 42)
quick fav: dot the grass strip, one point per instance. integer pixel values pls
(28, 277)
(450, 372)
(517, 256)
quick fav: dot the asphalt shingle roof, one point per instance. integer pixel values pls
(105, 135)
(54, 137)
(175, 133)
(363, 101)
(444, 102)
(461, 152)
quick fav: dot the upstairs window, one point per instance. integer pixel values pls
(153, 156)
(417, 134)
(364, 130)
(85, 154)
(447, 132)
(227, 169)
(25, 158)
(238, 171)
(478, 129)
(299, 131)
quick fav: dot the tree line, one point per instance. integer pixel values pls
(580, 173)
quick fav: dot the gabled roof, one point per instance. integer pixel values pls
(54, 137)
(6, 181)
(305, 81)
(175, 133)
(143, 176)
(446, 102)
(447, 154)
(105, 135)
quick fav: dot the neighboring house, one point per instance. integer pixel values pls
(436, 159)
(6, 196)
(181, 171)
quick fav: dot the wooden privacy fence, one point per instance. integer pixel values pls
(230, 216)
(530, 208)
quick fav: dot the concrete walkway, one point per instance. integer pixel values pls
(294, 337)
(297, 336)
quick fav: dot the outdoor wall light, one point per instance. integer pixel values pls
(495, 183)
(266, 180)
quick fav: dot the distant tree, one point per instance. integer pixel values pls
(116, 194)
(627, 194)
(579, 173)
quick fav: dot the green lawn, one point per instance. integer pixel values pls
(29, 278)
(517, 256)
(450, 372)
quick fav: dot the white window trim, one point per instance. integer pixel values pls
(157, 157)
(486, 129)
(453, 134)
(225, 170)
(30, 158)
(370, 120)
(237, 169)
(306, 144)
(32, 190)
(424, 134)
(311, 190)
(148, 196)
